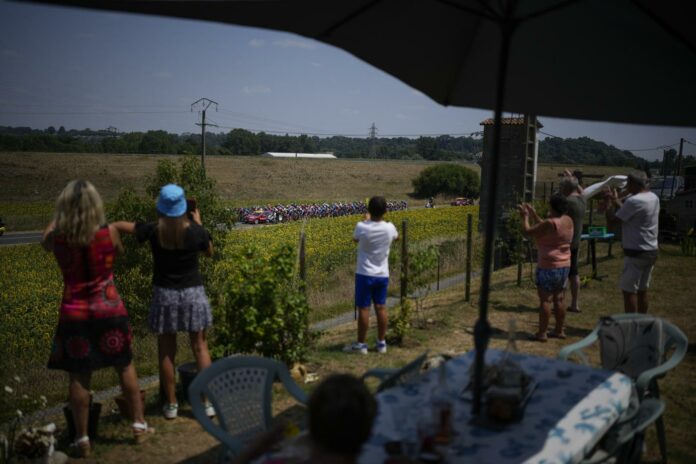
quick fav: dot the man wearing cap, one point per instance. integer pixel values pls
(638, 214)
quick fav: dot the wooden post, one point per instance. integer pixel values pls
(303, 267)
(467, 292)
(438, 268)
(404, 261)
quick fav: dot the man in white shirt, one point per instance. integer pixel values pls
(374, 237)
(638, 215)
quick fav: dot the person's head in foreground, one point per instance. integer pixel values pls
(558, 205)
(341, 412)
(377, 207)
(637, 182)
(79, 212)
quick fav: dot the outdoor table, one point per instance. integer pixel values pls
(570, 410)
(592, 249)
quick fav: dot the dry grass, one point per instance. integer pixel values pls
(39, 177)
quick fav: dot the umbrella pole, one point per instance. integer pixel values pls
(482, 329)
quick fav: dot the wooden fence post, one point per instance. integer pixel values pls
(404, 261)
(467, 293)
(303, 266)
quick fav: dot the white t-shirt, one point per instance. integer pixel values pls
(374, 239)
(639, 217)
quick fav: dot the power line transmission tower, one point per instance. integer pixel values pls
(201, 105)
(372, 134)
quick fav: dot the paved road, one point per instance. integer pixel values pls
(17, 238)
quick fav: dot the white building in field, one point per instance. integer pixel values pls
(275, 154)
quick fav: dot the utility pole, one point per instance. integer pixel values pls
(202, 105)
(372, 134)
(676, 172)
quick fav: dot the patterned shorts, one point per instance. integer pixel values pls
(552, 280)
(179, 310)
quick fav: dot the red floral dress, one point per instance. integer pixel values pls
(93, 328)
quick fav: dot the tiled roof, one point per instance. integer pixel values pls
(508, 121)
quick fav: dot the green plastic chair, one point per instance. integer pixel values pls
(240, 389)
(391, 377)
(624, 442)
(646, 381)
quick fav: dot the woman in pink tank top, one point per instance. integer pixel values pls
(552, 236)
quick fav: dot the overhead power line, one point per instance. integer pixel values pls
(85, 113)
(661, 147)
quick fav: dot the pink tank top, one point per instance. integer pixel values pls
(554, 246)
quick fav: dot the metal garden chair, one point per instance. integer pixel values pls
(240, 389)
(391, 377)
(639, 346)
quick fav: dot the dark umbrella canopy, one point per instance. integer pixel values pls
(610, 60)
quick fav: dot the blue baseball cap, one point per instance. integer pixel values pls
(171, 201)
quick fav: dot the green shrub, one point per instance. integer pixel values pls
(446, 179)
(260, 305)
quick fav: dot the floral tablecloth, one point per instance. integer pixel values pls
(570, 410)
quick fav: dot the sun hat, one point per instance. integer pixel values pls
(171, 201)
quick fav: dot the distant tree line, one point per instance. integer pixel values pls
(581, 150)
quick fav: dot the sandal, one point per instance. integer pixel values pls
(81, 447)
(537, 338)
(561, 335)
(141, 432)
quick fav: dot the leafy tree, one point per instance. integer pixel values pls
(447, 179)
(242, 142)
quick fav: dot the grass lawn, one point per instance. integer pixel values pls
(448, 328)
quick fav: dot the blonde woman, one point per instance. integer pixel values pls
(93, 328)
(179, 302)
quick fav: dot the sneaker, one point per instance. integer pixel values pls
(170, 410)
(356, 347)
(381, 346)
(209, 409)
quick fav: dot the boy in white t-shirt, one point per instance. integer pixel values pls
(374, 237)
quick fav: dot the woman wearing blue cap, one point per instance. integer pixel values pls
(179, 302)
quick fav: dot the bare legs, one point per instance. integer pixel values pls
(129, 385)
(166, 344)
(636, 302)
(166, 347)
(78, 390)
(546, 300)
(574, 282)
(364, 322)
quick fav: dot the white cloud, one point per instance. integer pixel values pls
(162, 75)
(7, 53)
(256, 43)
(256, 89)
(295, 43)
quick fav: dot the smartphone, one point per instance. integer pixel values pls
(190, 205)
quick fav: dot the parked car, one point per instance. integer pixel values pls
(461, 201)
(257, 217)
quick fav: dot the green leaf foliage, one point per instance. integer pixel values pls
(446, 179)
(259, 305)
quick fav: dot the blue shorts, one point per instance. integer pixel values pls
(552, 280)
(370, 289)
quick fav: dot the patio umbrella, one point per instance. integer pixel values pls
(628, 61)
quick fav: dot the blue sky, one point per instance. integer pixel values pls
(80, 68)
